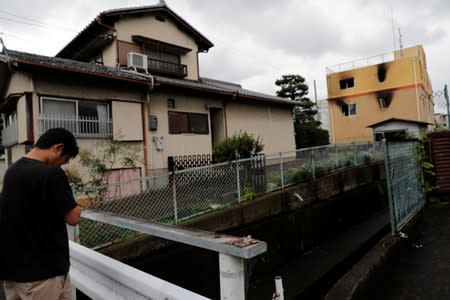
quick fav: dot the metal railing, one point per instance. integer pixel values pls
(94, 273)
(186, 194)
(360, 63)
(80, 126)
(10, 134)
(165, 67)
(101, 277)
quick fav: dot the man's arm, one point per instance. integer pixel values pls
(73, 216)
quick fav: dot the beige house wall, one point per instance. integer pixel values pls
(177, 144)
(110, 55)
(22, 122)
(127, 121)
(273, 124)
(20, 83)
(167, 32)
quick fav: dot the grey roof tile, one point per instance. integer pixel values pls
(204, 84)
(76, 66)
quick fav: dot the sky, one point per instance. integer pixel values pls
(257, 41)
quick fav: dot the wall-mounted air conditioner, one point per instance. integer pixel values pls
(137, 61)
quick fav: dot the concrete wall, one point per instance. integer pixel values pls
(266, 207)
(406, 87)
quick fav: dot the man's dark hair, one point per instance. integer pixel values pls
(58, 136)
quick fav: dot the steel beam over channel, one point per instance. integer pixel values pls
(101, 277)
(226, 244)
(232, 250)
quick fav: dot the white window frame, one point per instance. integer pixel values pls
(76, 101)
(349, 110)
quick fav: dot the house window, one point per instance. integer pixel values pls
(349, 109)
(347, 83)
(180, 122)
(83, 118)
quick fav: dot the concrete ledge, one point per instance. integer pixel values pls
(353, 284)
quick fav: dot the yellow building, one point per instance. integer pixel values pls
(380, 96)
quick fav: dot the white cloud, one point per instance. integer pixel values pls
(258, 41)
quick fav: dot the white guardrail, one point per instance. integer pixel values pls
(101, 277)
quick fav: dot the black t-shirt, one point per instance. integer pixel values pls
(33, 203)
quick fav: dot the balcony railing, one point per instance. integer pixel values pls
(167, 68)
(10, 134)
(80, 126)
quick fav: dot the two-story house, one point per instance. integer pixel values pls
(133, 74)
(384, 96)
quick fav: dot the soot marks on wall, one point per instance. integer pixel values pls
(341, 103)
(384, 99)
(382, 70)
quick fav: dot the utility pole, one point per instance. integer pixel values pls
(446, 102)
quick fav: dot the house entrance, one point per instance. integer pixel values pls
(217, 125)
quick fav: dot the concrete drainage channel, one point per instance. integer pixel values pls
(354, 284)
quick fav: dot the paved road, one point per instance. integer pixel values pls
(423, 272)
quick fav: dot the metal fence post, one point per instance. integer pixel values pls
(389, 188)
(313, 164)
(281, 171)
(238, 180)
(174, 196)
(337, 158)
(232, 279)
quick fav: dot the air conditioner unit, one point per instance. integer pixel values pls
(137, 61)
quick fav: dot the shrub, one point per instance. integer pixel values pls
(241, 143)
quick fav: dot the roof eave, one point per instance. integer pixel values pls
(18, 62)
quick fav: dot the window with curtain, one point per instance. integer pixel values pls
(79, 116)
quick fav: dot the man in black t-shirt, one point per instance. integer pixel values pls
(36, 203)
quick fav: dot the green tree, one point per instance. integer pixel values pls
(241, 143)
(307, 130)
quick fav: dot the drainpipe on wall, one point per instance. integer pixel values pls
(144, 122)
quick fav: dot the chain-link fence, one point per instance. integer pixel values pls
(404, 179)
(185, 194)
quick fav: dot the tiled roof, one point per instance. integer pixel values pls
(204, 84)
(74, 66)
(68, 50)
(212, 85)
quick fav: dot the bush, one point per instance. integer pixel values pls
(241, 143)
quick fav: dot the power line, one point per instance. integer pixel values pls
(32, 22)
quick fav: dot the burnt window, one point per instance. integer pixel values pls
(347, 83)
(349, 110)
(181, 122)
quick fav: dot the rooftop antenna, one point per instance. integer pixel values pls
(400, 41)
(393, 29)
